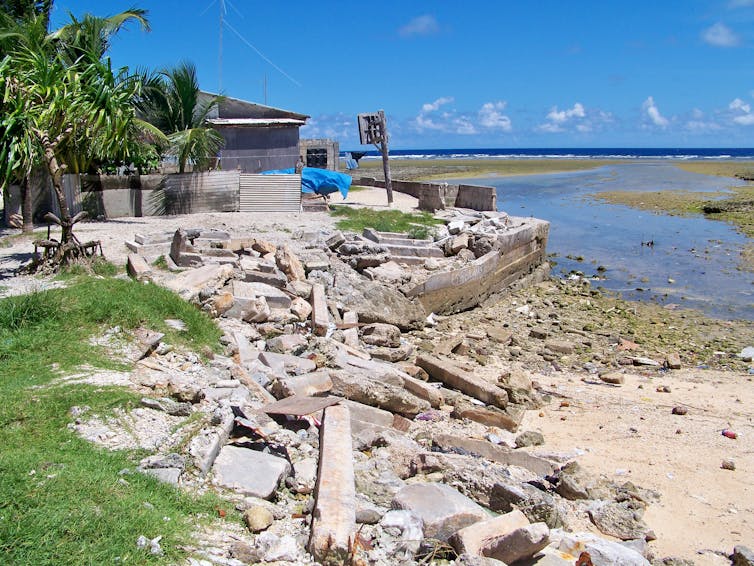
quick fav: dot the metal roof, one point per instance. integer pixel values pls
(256, 122)
(233, 109)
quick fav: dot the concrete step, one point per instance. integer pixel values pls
(414, 251)
(408, 260)
(394, 238)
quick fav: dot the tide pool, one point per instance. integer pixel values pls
(692, 262)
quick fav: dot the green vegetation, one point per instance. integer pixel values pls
(414, 169)
(170, 100)
(62, 499)
(417, 225)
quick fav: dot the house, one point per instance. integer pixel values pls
(257, 137)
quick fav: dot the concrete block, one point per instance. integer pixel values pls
(284, 363)
(351, 335)
(443, 510)
(519, 544)
(334, 516)
(275, 298)
(471, 540)
(320, 314)
(307, 385)
(249, 472)
(138, 268)
(495, 453)
(453, 376)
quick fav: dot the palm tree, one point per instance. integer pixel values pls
(171, 101)
(50, 102)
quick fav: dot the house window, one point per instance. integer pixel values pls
(316, 158)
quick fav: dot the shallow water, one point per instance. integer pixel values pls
(693, 261)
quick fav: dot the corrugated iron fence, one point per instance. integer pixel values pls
(270, 193)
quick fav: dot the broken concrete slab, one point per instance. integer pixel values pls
(310, 384)
(320, 314)
(491, 416)
(275, 297)
(289, 264)
(254, 309)
(443, 510)
(276, 279)
(362, 387)
(292, 344)
(334, 516)
(351, 335)
(473, 539)
(249, 472)
(519, 544)
(494, 452)
(299, 406)
(189, 283)
(284, 363)
(301, 308)
(206, 445)
(381, 334)
(138, 268)
(453, 376)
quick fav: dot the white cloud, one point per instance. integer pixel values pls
(720, 35)
(574, 118)
(653, 113)
(742, 112)
(421, 25)
(740, 3)
(561, 116)
(436, 116)
(435, 106)
(333, 126)
(491, 116)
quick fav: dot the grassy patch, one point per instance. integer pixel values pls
(662, 202)
(427, 169)
(418, 225)
(62, 499)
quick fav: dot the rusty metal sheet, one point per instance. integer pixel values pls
(299, 406)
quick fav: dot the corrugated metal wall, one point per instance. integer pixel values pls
(270, 193)
(72, 190)
(215, 191)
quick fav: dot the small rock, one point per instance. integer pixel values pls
(639, 361)
(529, 438)
(257, 518)
(381, 334)
(673, 361)
(728, 465)
(747, 354)
(663, 389)
(679, 410)
(301, 308)
(614, 378)
(539, 333)
(742, 556)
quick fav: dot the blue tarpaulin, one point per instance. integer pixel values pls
(318, 181)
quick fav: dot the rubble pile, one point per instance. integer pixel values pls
(346, 426)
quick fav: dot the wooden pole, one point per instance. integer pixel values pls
(386, 159)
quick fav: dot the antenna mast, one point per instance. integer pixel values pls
(220, 50)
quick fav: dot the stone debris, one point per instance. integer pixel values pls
(347, 428)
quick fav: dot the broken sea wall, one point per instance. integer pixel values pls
(520, 250)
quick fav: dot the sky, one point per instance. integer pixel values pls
(468, 74)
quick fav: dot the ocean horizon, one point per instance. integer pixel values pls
(628, 153)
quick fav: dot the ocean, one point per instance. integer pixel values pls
(628, 153)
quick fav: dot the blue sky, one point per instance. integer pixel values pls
(454, 74)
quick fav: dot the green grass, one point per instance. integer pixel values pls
(62, 499)
(417, 225)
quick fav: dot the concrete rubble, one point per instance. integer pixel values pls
(420, 456)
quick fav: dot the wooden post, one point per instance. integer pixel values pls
(385, 158)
